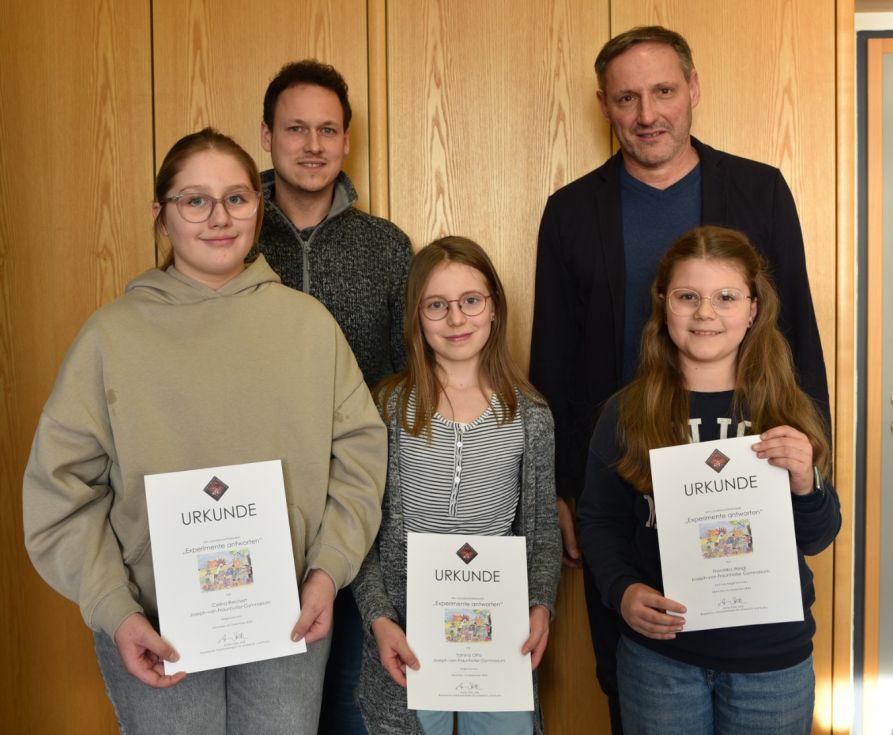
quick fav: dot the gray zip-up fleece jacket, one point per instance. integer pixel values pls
(380, 585)
(356, 264)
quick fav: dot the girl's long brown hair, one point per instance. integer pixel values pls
(654, 408)
(497, 368)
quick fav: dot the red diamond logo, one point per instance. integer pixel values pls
(466, 553)
(717, 460)
(216, 488)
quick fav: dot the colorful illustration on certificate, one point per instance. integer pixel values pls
(224, 570)
(731, 537)
(467, 625)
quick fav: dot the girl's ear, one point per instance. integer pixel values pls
(754, 308)
(156, 214)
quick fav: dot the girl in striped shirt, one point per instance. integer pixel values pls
(471, 451)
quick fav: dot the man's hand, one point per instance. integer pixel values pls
(393, 649)
(571, 557)
(142, 652)
(317, 598)
(539, 635)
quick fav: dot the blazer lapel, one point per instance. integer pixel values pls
(609, 233)
(714, 185)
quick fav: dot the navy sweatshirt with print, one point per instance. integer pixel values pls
(618, 535)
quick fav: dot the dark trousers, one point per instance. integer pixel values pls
(340, 714)
(605, 631)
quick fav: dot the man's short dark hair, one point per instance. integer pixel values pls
(306, 71)
(643, 34)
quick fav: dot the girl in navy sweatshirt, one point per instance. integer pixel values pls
(713, 364)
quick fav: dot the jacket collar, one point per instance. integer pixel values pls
(343, 198)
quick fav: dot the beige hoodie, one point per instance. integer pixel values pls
(173, 376)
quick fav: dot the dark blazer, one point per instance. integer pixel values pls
(577, 346)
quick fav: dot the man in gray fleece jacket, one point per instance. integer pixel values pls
(354, 263)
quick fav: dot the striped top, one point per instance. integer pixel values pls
(467, 479)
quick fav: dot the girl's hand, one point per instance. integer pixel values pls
(645, 611)
(786, 447)
(143, 652)
(317, 600)
(539, 635)
(393, 649)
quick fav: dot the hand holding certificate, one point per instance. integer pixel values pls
(224, 565)
(726, 533)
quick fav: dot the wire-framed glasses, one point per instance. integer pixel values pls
(685, 301)
(198, 206)
(436, 308)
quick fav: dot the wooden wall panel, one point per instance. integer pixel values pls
(842, 704)
(75, 226)
(214, 59)
(768, 92)
(492, 107)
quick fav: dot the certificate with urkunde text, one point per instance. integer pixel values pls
(224, 565)
(467, 618)
(725, 527)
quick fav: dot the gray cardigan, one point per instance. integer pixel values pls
(380, 586)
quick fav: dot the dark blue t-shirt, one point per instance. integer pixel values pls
(652, 220)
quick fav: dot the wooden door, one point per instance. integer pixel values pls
(75, 227)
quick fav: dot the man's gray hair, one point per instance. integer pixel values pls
(643, 34)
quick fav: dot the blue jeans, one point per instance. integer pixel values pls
(280, 695)
(340, 712)
(659, 695)
(476, 723)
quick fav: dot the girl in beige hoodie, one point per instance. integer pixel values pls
(202, 363)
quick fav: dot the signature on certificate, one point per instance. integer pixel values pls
(230, 638)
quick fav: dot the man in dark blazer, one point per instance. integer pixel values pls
(600, 239)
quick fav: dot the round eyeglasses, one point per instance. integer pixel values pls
(685, 301)
(436, 308)
(197, 206)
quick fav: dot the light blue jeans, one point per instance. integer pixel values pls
(659, 695)
(280, 695)
(476, 723)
